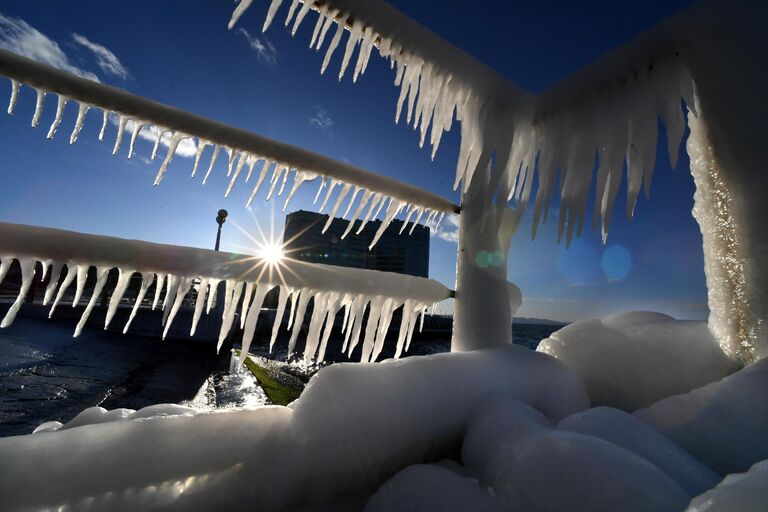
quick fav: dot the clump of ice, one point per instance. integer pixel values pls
(747, 492)
(532, 466)
(723, 424)
(633, 434)
(354, 426)
(432, 487)
(633, 359)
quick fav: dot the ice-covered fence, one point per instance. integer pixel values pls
(711, 55)
(247, 278)
(370, 192)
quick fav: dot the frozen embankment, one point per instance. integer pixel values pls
(354, 426)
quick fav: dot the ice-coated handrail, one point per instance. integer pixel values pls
(179, 268)
(249, 146)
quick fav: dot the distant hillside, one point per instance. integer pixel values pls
(537, 321)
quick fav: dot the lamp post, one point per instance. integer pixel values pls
(220, 219)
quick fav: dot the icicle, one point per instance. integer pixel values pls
(308, 4)
(279, 170)
(331, 186)
(358, 314)
(27, 275)
(344, 191)
(357, 212)
(82, 109)
(262, 175)
(251, 163)
(123, 280)
(291, 11)
(364, 53)
(246, 303)
(231, 155)
(101, 279)
(407, 315)
(182, 290)
(354, 38)
(381, 204)
(384, 322)
(122, 121)
(71, 273)
(300, 178)
(44, 264)
(370, 328)
(282, 300)
(319, 24)
(82, 276)
(242, 7)
(214, 156)
(51, 288)
(293, 298)
(175, 139)
(319, 189)
(351, 201)
(301, 309)
(439, 220)
(377, 198)
(104, 119)
(408, 213)
(38, 107)
(201, 145)
(340, 25)
(213, 284)
(416, 220)
(329, 19)
(174, 284)
(334, 304)
(202, 291)
(15, 86)
(60, 104)
(160, 131)
(137, 126)
(240, 164)
(158, 289)
(315, 324)
(5, 264)
(391, 213)
(273, 7)
(285, 180)
(146, 281)
(253, 316)
(230, 306)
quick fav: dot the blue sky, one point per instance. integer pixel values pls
(181, 53)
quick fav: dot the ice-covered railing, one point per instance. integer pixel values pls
(608, 113)
(248, 279)
(436, 78)
(368, 194)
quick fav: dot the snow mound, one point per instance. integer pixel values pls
(355, 426)
(745, 492)
(723, 424)
(531, 466)
(431, 487)
(630, 433)
(633, 359)
(96, 415)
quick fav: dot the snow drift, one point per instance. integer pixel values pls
(633, 359)
(723, 424)
(746, 492)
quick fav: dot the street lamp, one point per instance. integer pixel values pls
(220, 219)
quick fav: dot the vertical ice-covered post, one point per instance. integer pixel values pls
(728, 163)
(482, 315)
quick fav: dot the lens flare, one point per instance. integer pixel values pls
(272, 252)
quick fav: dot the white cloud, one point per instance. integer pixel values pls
(186, 148)
(105, 59)
(265, 50)
(321, 119)
(448, 229)
(18, 36)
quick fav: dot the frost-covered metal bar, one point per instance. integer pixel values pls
(178, 269)
(245, 148)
